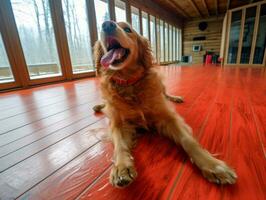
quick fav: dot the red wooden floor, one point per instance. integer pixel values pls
(52, 145)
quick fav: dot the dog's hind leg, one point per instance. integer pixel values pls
(123, 171)
(177, 99)
(174, 127)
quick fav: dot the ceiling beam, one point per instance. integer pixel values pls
(178, 8)
(228, 4)
(216, 7)
(206, 7)
(158, 10)
(195, 7)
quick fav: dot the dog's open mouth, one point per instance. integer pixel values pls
(116, 54)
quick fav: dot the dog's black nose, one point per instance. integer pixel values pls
(108, 26)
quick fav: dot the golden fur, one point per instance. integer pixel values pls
(144, 104)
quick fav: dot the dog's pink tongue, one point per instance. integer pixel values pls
(111, 56)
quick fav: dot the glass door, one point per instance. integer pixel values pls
(247, 36)
(259, 55)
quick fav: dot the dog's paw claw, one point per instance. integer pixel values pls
(122, 176)
(220, 174)
(179, 99)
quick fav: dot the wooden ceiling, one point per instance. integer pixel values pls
(188, 9)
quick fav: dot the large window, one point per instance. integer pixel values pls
(120, 11)
(162, 52)
(78, 35)
(166, 48)
(34, 23)
(152, 31)
(170, 44)
(145, 22)
(174, 44)
(102, 14)
(135, 18)
(158, 39)
(53, 39)
(179, 44)
(5, 70)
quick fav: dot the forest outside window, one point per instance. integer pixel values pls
(36, 33)
(78, 35)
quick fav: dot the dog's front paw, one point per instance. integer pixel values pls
(220, 173)
(98, 108)
(122, 176)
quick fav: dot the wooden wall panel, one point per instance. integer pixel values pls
(213, 36)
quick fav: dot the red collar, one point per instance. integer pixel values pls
(127, 82)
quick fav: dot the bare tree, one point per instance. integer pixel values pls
(76, 26)
(46, 12)
(68, 24)
(37, 14)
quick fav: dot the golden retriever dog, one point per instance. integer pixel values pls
(134, 97)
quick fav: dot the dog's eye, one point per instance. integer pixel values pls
(128, 30)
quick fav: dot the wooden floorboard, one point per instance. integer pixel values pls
(42, 105)
(46, 123)
(52, 146)
(16, 156)
(26, 97)
(16, 140)
(208, 137)
(24, 119)
(23, 176)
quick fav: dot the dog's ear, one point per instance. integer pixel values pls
(145, 55)
(98, 53)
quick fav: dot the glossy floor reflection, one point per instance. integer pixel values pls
(52, 145)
